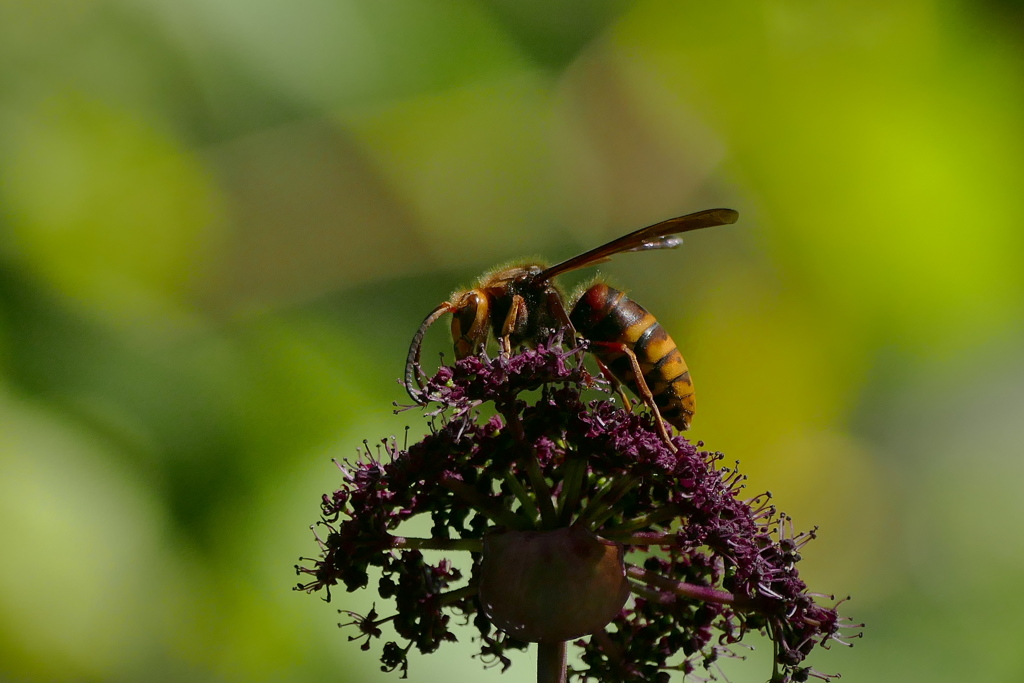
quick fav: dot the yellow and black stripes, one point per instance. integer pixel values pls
(608, 317)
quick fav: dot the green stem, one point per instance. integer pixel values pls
(660, 515)
(595, 500)
(527, 503)
(457, 594)
(485, 505)
(473, 545)
(541, 491)
(600, 509)
(574, 474)
(652, 595)
(641, 538)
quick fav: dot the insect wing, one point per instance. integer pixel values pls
(657, 236)
(666, 242)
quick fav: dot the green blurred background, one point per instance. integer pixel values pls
(222, 221)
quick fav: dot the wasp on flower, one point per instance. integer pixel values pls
(583, 527)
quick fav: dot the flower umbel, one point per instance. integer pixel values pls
(582, 525)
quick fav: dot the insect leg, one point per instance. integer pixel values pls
(641, 386)
(512, 320)
(557, 307)
(616, 384)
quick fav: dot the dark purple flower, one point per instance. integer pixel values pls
(568, 506)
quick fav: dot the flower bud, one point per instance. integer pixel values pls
(551, 586)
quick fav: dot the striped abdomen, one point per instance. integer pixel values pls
(604, 314)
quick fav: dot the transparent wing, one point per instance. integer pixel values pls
(658, 236)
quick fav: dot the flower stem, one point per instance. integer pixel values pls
(602, 506)
(527, 503)
(642, 538)
(551, 662)
(458, 594)
(473, 545)
(574, 473)
(541, 491)
(660, 515)
(686, 590)
(487, 506)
